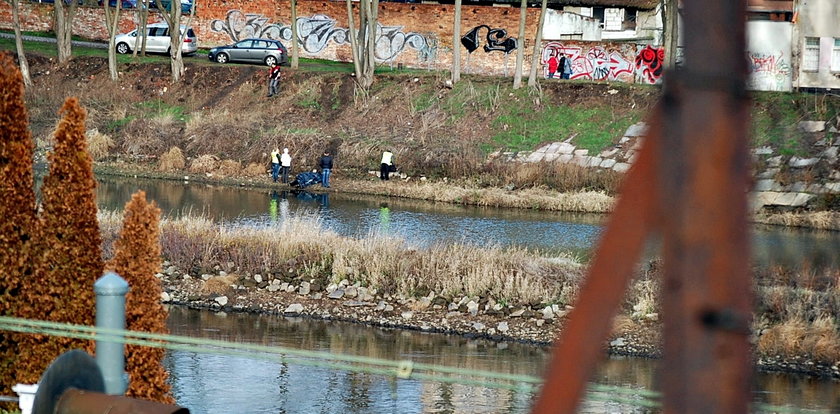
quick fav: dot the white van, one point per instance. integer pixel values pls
(157, 40)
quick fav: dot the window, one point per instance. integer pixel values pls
(835, 56)
(811, 55)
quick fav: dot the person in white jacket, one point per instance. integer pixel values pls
(386, 165)
(285, 164)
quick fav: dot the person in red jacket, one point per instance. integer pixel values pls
(273, 80)
(553, 64)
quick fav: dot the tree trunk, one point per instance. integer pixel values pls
(140, 43)
(64, 29)
(520, 45)
(295, 50)
(370, 55)
(456, 44)
(112, 22)
(535, 58)
(24, 65)
(354, 41)
(670, 24)
(176, 38)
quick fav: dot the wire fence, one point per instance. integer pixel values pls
(398, 369)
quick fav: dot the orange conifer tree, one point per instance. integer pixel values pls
(61, 289)
(17, 205)
(137, 259)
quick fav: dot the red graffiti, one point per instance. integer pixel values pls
(649, 63)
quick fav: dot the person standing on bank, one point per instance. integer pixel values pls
(326, 164)
(285, 164)
(273, 80)
(275, 164)
(565, 67)
(553, 64)
(385, 165)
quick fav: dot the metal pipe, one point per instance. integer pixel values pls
(110, 313)
(75, 401)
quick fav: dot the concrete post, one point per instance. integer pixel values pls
(110, 313)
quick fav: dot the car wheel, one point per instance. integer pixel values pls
(221, 58)
(122, 48)
(270, 61)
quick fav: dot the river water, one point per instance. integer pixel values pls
(218, 383)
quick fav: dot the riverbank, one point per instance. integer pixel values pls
(501, 294)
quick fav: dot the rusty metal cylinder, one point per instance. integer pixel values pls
(75, 401)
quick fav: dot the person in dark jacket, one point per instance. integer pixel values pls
(273, 80)
(326, 165)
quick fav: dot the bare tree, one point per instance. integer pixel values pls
(670, 23)
(295, 51)
(176, 35)
(535, 58)
(64, 13)
(112, 23)
(363, 41)
(140, 40)
(520, 45)
(24, 65)
(456, 44)
(354, 47)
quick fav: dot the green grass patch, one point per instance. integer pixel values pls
(158, 107)
(590, 128)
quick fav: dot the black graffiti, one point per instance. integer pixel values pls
(497, 40)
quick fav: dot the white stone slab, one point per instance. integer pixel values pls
(607, 163)
(621, 167)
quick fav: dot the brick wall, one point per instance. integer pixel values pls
(414, 35)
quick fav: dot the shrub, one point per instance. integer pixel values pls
(172, 160)
(204, 164)
(99, 144)
(230, 168)
(254, 170)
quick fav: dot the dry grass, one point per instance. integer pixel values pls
(818, 339)
(219, 285)
(254, 170)
(172, 160)
(204, 164)
(99, 144)
(511, 275)
(824, 220)
(529, 198)
(230, 168)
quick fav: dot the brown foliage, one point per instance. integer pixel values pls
(17, 204)
(137, 259)
(61, 287)
(172, 160)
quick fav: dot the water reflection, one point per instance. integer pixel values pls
(422, 223)
(213, 383)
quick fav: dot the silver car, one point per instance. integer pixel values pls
(268, 51)
(157, 40)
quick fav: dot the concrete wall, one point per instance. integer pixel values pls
(769, 55)
(414, 35)
(821, 19)
(565, 25)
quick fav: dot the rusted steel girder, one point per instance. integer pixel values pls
(690, 183)
(75, 401)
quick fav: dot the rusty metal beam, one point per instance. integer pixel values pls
(690, 182)
(580, 347)
(75, 401)
(706, 291)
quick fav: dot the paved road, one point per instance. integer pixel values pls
(97, 45)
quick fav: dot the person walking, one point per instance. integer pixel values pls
(565, 67)
(385, 165)
(285, 164)
(553, 64)
(273, 80)
(275, 164)
(326, 164)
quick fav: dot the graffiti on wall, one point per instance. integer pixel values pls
(769, 72)
(594, 63)
(609, 63)
(649, 64)
(495, 40)
(316, 32)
